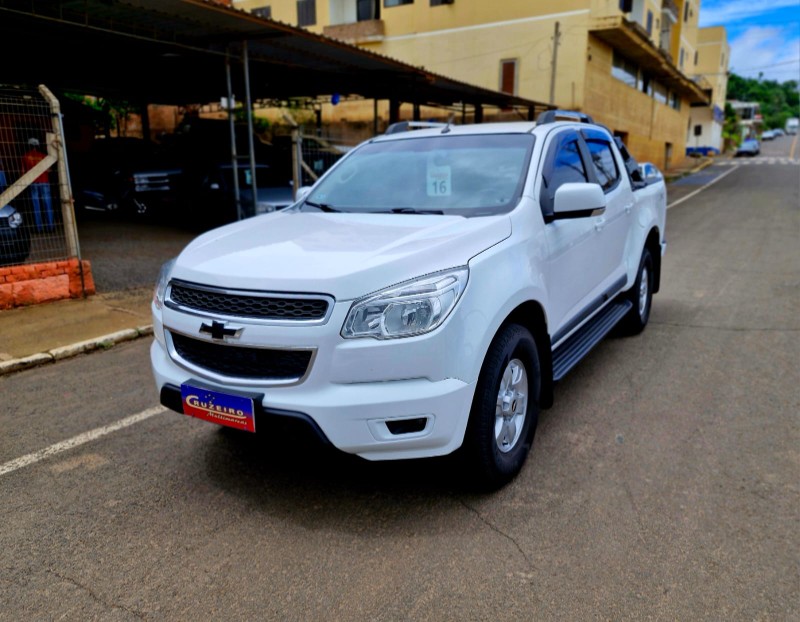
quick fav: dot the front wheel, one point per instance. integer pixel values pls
(641, 295)
(505, 408)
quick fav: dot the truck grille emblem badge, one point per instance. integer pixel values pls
(219, 331)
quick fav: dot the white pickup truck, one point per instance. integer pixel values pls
(424, 297)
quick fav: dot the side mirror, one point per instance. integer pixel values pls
(302, 193)
(578, 200)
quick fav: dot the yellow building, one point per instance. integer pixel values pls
(624, 69)
(705, 128)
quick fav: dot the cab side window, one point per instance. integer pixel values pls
(604, 163)
(564, 165)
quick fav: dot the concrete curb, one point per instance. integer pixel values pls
(81, 347)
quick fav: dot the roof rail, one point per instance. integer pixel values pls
(551, 116)
(405, 126)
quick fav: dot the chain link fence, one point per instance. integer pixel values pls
(37, 222)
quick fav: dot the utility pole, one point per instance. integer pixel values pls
(556, 41)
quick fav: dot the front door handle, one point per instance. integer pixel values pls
(628, 208)
(599, 224)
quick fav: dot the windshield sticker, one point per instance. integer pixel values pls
(439, 183)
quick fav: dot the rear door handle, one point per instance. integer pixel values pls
(599, 224)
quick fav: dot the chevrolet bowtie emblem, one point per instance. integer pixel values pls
(219, 330)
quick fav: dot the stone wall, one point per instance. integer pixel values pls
(44, 282)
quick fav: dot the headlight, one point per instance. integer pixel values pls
(15, 220)
(161, 284)
(412, 308)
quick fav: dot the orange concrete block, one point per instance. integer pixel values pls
(41, 290)
(88, 278)
(31, 272)
(6, 296)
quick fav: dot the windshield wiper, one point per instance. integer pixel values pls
(321, 206)
(411, 210)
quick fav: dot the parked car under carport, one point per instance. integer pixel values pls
(15, 239)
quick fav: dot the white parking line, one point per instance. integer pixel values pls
(701, 188)
(75, 441)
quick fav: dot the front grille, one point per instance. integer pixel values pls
(3, 222)
(243, 362)
(243, 305)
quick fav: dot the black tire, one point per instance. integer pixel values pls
(493, 457)
(641, 297)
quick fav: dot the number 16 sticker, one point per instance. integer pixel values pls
(439, 181)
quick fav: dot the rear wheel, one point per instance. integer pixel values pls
(505, 408)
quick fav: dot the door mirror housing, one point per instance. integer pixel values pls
(578, 200)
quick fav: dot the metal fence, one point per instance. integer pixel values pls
(37, 222)
(318, 153)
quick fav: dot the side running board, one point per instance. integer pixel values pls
(569, 353)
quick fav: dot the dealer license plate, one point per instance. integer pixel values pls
(234, 411)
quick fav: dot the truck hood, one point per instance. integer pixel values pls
(344, 255)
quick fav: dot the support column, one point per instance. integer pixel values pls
(237, 195)
(145, 114)
(250, 141)
(394, 111)
(416, 111)
(478, 113)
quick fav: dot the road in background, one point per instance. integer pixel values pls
(663, 483)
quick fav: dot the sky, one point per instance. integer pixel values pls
(764, 35)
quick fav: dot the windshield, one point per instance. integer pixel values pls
(462, 175)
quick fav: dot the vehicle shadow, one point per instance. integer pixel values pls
(292, 475)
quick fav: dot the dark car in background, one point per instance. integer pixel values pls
(15, 238)
(212, 199)
(187, 178)
(125, 176)
(749, 147)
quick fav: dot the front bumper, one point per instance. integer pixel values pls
(381, 420)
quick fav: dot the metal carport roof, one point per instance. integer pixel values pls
(173, 52)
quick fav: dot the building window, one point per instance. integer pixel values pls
(264, 11)
(441, 2)
(686, 11)
(306, 12)
(649, 23)
(674, 101)
(696, 57)
(623, 69)
(659, 93)
(645, 84)
(391, 3)
(368, 10)
(508, 76)
(680, 63)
